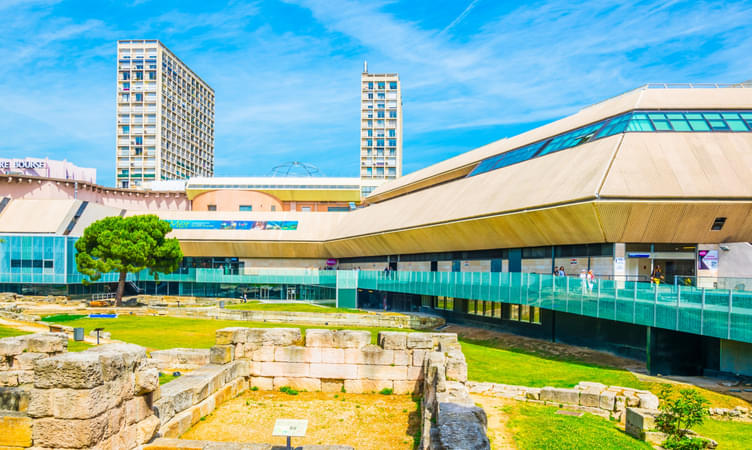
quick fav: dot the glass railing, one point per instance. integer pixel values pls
(723, 313)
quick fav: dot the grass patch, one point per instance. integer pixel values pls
(537, 426)
(386, 391)
(59, 318)
(486, 362)
(78, 346)
(288, 390)
(516, 367)
(166, 377)
(729, 435)
(161, 332)
(292, 307)
(10, 332)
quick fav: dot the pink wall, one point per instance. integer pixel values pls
(14, 186)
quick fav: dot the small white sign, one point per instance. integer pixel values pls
(290, 427)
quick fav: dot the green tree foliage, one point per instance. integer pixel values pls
(127, 244)
(679, 413)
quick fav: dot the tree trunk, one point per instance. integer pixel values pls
(120, 289)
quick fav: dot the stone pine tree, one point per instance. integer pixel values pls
(126, 245)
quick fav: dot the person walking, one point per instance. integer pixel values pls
(590, 280)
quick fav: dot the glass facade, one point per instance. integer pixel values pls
(637, 121)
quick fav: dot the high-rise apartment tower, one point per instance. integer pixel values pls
(165, 117)
(380, 129)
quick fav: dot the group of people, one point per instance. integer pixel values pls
(587, 277)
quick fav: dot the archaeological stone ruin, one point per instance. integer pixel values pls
(109, 396)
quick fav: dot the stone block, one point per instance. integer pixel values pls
(15, 430)
(264, 353)
(146, 380)
(221, 354)
(12, 346)
(76, 403)
(590, 386)
(633, 400)
(370, 354)
(8, 379)
(367, 386)
(402, 358)
(14, 399)
(319, 338)
(532, 393)
(382, 372)
(137, 409)
(590, 398)
(61, 433)
(392, 340)
(300, 384)
(459, 426)
(479, 388)
(406, 386)
(560, 395)
(284, 369)
(420, 340)
(334, 371)
(263, 383)
(456, 367)
(69, 370)
(332, 355)
(275, 336)
(331, 385)
(231, 335)
(414, 373)
(25, 361)
(607, 401)
(146, 429)
(638, 421)
(351, 338)
(648, 401)
(418, 356)
(443, 338)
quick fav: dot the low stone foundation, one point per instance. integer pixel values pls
(181, 358)
(18, 353)
(187, 399)
(595, 398)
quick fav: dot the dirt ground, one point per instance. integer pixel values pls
(364, 421)
(498, 433)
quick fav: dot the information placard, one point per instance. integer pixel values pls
(290, 427)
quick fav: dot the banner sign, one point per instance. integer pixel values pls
(233, 224)
(707, 259)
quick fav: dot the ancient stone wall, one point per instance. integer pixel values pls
(327, 360)
(450, 418)
(98, 398)
(595, 398)
(18, 353)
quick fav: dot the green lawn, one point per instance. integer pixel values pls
(161, 332)
(729, 435)
(8, 332)
(293, 307)
(539, 427)
(513, 367)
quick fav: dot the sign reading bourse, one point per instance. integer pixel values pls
(233, 224)
(22, 164)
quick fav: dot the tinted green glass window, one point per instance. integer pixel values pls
(699, 125)
(662, 125)
(737, 125)
(640, 125)
(718, 125)
(680, 125)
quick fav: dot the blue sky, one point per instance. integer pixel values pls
(286, 74)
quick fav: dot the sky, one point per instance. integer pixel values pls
(286, 74)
